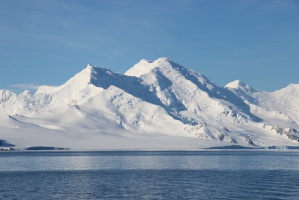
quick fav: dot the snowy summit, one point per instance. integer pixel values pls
(154, 105)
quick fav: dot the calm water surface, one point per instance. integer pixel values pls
(150, 175)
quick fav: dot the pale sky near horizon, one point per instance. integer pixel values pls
(46, 42)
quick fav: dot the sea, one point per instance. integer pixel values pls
(207, 174)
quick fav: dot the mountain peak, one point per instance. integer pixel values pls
(89, 68)
(293, 85)
(290, 88)
(91, 73)
(145, 66)
(82, 77)
(239, 85)
(162, 60)
(235, 84)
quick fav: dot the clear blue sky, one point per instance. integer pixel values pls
(46, 42)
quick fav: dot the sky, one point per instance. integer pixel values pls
(46, 42)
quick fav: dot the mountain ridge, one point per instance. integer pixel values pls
(150, 100)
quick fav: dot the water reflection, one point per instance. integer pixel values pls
(149, 175)
(55, 161)
(150, 184)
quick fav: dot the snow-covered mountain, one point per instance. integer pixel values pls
(154, 105)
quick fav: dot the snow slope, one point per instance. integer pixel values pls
(154, 105)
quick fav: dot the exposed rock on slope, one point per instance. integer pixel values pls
(151, 100)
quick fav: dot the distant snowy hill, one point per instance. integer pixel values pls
(154, 105)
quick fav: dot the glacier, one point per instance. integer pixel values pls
(155, 105)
